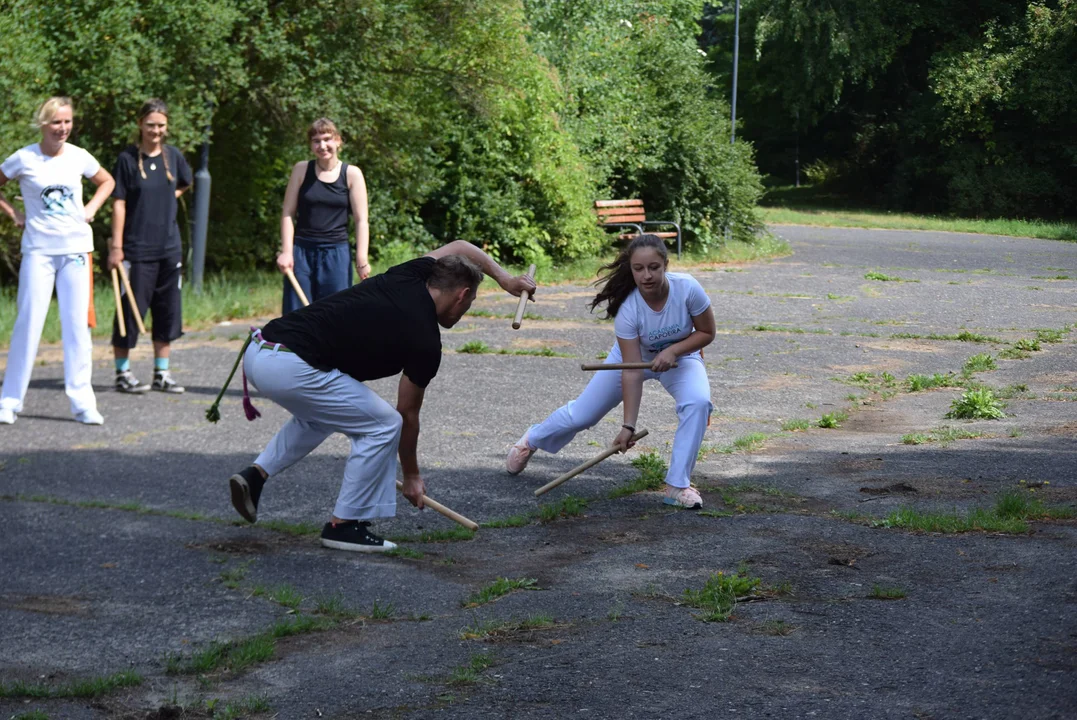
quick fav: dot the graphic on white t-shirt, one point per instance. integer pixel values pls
(657, 330)
(58, 200)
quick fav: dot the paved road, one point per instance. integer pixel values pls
(119, 551)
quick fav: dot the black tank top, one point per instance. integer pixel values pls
(322, 210)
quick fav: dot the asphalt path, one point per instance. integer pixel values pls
(120, 552)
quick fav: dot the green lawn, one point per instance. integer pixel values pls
(810, 206)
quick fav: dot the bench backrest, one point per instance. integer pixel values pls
(620, 211)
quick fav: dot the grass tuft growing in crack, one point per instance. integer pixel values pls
(1011, 514)
(943, 435)
(917, 383)
(91, 688)
(568, 506)
(652, 475)
(796, 425)
(878, 592)
(975, 404)
(497, 589)
(720, 594)
(833, 420)
(508, 629)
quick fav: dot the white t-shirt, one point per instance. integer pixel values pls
(52, 193)
(658, 330)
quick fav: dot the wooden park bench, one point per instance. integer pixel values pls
(631, 214)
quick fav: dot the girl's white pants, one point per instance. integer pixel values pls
(322, 403)
(38, 274)
(687, 383)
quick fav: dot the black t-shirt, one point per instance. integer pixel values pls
(150, 231)
(382, 326)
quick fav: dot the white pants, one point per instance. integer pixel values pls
(687, 383)
(70, 274)
(322, 403)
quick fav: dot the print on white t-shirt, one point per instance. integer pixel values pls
(52, 193)
(673, 323)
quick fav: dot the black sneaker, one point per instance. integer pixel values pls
(246, 488)
(355, 536)
(126, 382)
(163, 382)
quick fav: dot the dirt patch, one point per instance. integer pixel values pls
(540, 343)
(1066, 430)
(47, 604)
(778, 382)
(889, 489)
(888, 364)
(913, 346)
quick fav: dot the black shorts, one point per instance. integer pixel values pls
(156, 285)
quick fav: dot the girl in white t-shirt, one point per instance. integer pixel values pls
(56, 246)
(661, 318)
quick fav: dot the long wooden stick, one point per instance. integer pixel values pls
(119, 303)
(131, 299)
(516, 321)
(618, 366)
(295, 286)
(590, 463)
(452, 515)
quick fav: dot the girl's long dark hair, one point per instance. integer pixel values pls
(618, 282)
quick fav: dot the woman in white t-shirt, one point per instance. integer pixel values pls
(56, 246)
(660, 318)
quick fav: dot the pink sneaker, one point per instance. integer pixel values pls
(519, 454)
(683, 497)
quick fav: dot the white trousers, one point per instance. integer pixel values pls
(322, 403)
(687, 383)
(38, 274)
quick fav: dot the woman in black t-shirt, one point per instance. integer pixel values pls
(150, 176)
(314, 220)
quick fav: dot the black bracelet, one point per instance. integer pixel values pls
(629, 427)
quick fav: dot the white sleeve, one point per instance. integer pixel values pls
(90, 165)
(12, 167)
(626, 325)
(697, 300)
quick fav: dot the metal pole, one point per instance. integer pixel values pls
(736, 59)
(202, 183)
(798, 148)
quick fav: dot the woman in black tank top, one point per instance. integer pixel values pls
(314, 220)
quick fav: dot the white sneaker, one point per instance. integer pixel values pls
(683, 497)
(90, 417)
(7, 417)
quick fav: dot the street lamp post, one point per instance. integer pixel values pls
(736, 58)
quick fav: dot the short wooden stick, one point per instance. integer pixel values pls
(618, 366)
(119, 303)
(451, 514)
(590, 463)
(295, 286)
(131, 299)
(516, 321)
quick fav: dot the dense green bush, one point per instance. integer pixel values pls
(464, 121)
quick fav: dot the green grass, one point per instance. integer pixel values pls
(512, 521)
(1049, 336)
(720, 594)
(471, 673)
(652, 475)
(833, 420)
(506, 629)
(916, 383)
(453, 534)
(943, 435)
(975, 404)
(568, 506)
(381, 612)
(796, 424)
(963, 336)
(90, 688)
(883, 277)
(31, 715)
(478, 347)
(475, 347)
(237, 709)
(878, 592)
(1027, 345)
(403, 552)
(1011, 514)
(799, 207)
(498, 588)
(979, 363)
(777, 628)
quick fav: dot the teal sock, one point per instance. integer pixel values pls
(123, 364)
(160, 364)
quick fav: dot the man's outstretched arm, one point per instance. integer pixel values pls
(513, 285)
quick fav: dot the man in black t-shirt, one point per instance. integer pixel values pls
(313, 362)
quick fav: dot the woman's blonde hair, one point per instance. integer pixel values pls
(49, 108)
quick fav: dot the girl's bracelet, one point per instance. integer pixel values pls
(629, 427)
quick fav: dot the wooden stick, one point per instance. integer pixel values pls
(452, 515)
(523, 301)
(618, 366)
(131, 299)
(119, 303)
(590, 463)
(295, 286)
